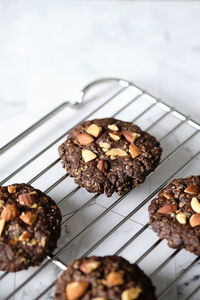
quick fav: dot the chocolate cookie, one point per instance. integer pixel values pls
(108, 155)
(175, 214)
(104, 278)
(29, 227)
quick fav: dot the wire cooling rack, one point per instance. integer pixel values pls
(94, 224)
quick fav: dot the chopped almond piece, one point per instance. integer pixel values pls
(88, 266)
(114, 279)
(116, 152)
(10, 212)
(134, 150)
(84, 139)
(28, 217)
(113, 127)
(130, 136)
(94, 130)
(115, 135)
(88, 155)
(166, 195)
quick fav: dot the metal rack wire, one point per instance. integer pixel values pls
(167, 111)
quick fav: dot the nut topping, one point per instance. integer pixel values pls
(194, 220)
(113, 127)
(12, 189)
(115, 135)
(192, 189)
(88, 155)
(84, 139)
(195, 204)
(167, 209)
(88, 266)
(114, 278)
(131, 294)
(181, 218)
(102, 166)
(10, 212)
(116, 152)
(25, 236)
(2, 225)
(28, 199)
(166, 195)
(104, 145)
(76, 289)
(94, 130)
(28, 217)
(130, 136)
(134, 150)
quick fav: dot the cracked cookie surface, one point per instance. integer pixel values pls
(175, 214)
(109, 155)
(29, 226)
(104, 278)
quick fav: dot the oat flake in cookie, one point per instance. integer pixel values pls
(175, 214)
(109, 155)
(29, 227)
(104, 278)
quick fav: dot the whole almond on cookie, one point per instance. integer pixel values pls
(195, 220)
(192, 189)
(195, 204)
(167, 209)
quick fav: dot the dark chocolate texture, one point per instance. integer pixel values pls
(29, 227)
(105, 278)
(123, 170)
(175, 214)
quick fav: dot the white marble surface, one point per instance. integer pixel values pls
(49, 50)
